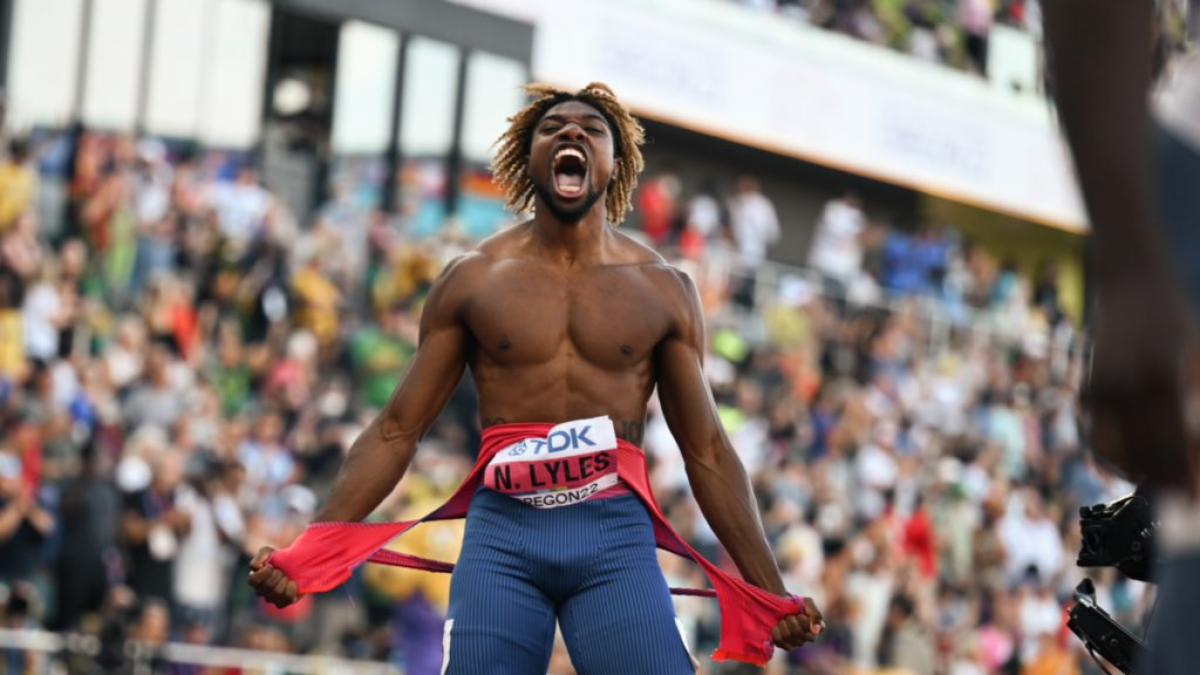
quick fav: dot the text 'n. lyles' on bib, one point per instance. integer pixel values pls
(573, 463)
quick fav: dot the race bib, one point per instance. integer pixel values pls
(573, 463)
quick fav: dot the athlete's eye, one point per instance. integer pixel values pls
(599, 131)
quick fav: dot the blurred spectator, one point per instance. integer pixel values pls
(21, 251)
(836, 251)
(318, 301)
(657, 205)
(905, 643)
(1053, 659)
(151, 527)
(380, 352)
(156, 400)
(241, 208)
(25, 523)
(90, 512)
(975, 17)
(18, 184)
(1032, 541)
(202, 567)
(754, 221)
(44, 315)
(703, 222)
(269, 465)
(12, 331)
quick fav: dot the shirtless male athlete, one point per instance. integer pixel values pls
(565, 321)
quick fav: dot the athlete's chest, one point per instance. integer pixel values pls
(611, 317)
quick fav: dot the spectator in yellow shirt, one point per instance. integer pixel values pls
(319, 302)
(18, 184)
(12, 334)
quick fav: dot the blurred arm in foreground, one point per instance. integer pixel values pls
(1147, 261)
(1100, 60)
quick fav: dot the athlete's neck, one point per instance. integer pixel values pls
(582, 241)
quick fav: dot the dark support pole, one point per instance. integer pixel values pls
(324, 154)
(6, 19)
(392, 156)
(81, 63)
(71, 224)
(275, 39)
(454, 161)
(143, 91)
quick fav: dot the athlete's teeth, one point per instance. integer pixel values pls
(571, 151)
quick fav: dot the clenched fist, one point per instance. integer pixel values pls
(269, 583)
(799, 629)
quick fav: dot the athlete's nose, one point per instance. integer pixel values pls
(572, 132)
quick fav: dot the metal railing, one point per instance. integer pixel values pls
(940, 322)
(144, 658)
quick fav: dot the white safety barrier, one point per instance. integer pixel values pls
(140, 656)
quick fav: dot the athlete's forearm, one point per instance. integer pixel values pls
(723, 492)
(375, 464)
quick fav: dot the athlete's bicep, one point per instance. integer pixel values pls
(438, 364)
(687, 402)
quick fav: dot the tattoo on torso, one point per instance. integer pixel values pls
(631, 430)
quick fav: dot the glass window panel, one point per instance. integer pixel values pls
(493, 94)
(235, 63)
(42, 64)
(176, 66)
(430, 82)
(114, 64)
(364, 89)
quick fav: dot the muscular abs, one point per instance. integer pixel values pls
(548, 345)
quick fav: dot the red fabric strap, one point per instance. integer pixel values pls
(325, 555)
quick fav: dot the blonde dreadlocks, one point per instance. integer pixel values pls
(509, 166)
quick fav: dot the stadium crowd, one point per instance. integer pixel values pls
(951, 32)
(183, 366)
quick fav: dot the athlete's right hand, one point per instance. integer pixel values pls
(799, 629)
(269, 583)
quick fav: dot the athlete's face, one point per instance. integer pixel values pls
(571, 159)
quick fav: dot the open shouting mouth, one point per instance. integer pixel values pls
(569, 171)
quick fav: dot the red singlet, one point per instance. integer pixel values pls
(325, 555)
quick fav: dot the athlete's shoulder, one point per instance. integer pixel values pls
(676, 283)
(477, 261)
(507, 243)
(673, 286)
(636, 252)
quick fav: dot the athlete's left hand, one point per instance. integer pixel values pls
(798, 629)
